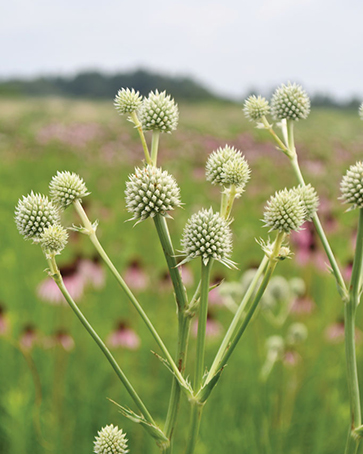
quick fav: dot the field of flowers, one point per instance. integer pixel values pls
(54, 383)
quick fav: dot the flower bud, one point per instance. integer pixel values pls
(256, 107)
(208, 236)
(284, 212)
(297, 333)
(65, 188)
(54, 239)
(309, 198)
(33, 214)
(290, 102)
(159, 113)
(351, 186)
(227, 166)
(151, 191)
(110, 440)
(127, 101)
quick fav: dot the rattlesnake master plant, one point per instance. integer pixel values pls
(54, 239)
(227, 166)
(351, 186)
(256, 107)
(127, 101)
(33, 214)
(309, 198)
(67, 187)
(110, 440)
(290, 102)
(284, 211)
(207, 235)
(151, 191)
(159, 112)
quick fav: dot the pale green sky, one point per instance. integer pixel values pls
(230, 45)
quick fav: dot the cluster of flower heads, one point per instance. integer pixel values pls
(110, 440)
(157, 112)
(227, 166)
(38, 218)
(288, 209)
(289, 102)
(151, 191)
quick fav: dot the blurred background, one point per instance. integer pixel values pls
(284, 390)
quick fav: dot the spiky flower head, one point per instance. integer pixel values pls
(291, 102)
(127, 101)
(256, 107)
(33, 214)
(207, 235)
(227, 166)
(151, 191)
(110, 440)
(284, 211)
(360, 111)
(309, 198)
(54, 239)
(65, 188)
(279, 288)
(351, 186)
(297, 333)
(159, 112)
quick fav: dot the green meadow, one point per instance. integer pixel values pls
(54, 400)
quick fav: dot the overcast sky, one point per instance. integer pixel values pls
(230, 45)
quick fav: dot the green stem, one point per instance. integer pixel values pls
(154, 147)
(277, 139)
(136, 121)
(272, 262)
(333, 263)
(59, 281)
(93, 237)
(349, 324)
(194, 427)
(217, 363)
(230, 199)
(202, 323)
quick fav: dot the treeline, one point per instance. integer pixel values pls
(94, 84)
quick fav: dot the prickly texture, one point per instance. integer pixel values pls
(284, 211)
(33, 214)
(309, 198)
(54, 239)
(159, 112)
(207, 235)
(291, 102)
(65, 188)
(151, 191)
(256, 107)
(127, 101)
(351, 186)
(110, 440)
(227, 166)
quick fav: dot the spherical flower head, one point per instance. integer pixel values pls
(110, 440)
(275, 345)
(351, 186)
(33, 214)
(291, 102)
(360, 111)
(54, 239)
(207, 235)
(236, 171)
(151, 191)
(159, 112)
(309, 198)
(227, 166)
(67, 187)
(127, 101)
(297, 333)
(279, 288)
(284, 212)
(256, 107)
